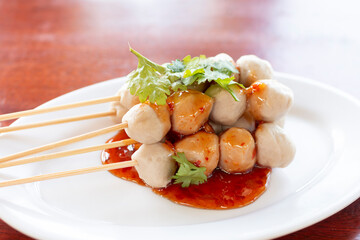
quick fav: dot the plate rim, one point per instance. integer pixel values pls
(345, 201)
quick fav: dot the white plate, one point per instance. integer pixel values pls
(323, 179)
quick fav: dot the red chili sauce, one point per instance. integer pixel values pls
(221, 191)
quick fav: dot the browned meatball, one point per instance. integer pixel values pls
(202, 149)
(237, 150)
(190, 110)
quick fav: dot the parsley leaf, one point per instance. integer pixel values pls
(188, 173)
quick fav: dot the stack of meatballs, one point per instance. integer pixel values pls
(214, 130)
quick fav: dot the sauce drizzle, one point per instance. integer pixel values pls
(221, 191)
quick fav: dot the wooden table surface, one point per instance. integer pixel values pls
(51, 47)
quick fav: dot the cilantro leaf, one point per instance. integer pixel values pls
(154, 82)
(222, 66)
(177, 85)
(225, 83)
(148, 81)
(201, 69)
(188, 173)
(176, 66)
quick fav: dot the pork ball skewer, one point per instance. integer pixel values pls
(154, 129)
(155, 121)
(153, 162)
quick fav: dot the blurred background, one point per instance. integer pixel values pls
(51, 47)
(55, 46)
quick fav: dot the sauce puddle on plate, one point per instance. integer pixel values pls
(221, 191)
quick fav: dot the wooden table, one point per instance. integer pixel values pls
(51, 47)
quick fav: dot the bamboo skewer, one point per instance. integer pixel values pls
(58, 121)
(64, 142)
(68, 173)
(68, 153)
(57, 108)
(6, 161)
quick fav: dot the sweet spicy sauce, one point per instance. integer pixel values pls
(221, 191)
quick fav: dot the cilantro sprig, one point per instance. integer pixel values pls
(148, 81)
(154, 82)
(188, 173)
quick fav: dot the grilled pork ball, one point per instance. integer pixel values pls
(202, 149)
(126, 98)
(147, 123)
(274, 148)
(120, 111)
(190, 110)
(252, 69)
(269, 100)
(155, 165)
(237, 150)
(226, 110)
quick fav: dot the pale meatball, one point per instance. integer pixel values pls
(237, 151)
(202, 149)
(226, 110)
(147, 123)
(269, 100)
(119, 111)
(252, 69)
(190, 110)
(226, 57)
(126, 98)
(274, 147)
(246, 121)
(155, 165)
(280, 122)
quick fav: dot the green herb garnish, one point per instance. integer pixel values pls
(154, 82)
(188, 173)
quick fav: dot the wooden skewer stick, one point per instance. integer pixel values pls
(65, 142)
(57, 108)
(68, 173)
(68, 153)
(58, 121)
